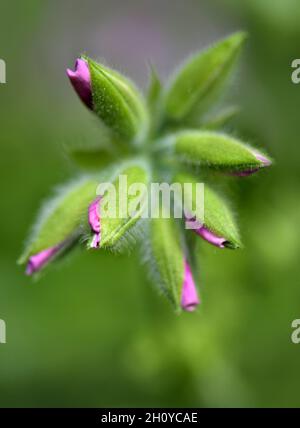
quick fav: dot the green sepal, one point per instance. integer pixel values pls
(165, 258)
(115, 230)
(118, 103)
(201, 79)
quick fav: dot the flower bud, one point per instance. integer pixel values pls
(216, 151)
(165, 256)
(59, 224)
(123, 201)
(112, 97)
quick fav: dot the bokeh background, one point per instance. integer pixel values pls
(93, 332)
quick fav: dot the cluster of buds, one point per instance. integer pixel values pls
(164, 134)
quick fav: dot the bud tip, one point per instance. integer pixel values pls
(39, 260)
(189, 297)
(94, 222)
(211, 237)
(81, 81)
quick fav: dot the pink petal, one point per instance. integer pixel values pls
(94, 221)
(246, 173)
(37, 261)
(262, 158)
(81, 81)
(189, 296)
(211, 237)
(95, 241)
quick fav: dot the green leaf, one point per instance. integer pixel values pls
(127, 204)
(199, 82)
(216, 216)
(165, 257)
(118, 103)
(61, 217)
(214, 150)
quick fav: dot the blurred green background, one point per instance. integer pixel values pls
(94, 332)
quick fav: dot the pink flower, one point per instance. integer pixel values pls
(94, 222)
(189, 296)
(39, 260)
(81, 81)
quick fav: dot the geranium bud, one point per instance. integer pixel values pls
(59, 223)
(116, 101)
(215, 150)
